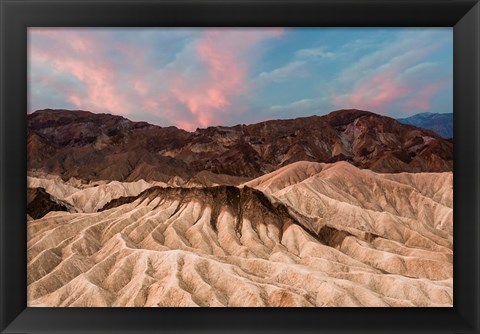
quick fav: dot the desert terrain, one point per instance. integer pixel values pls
(347, 209)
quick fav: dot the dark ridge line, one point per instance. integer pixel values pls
(236, 200)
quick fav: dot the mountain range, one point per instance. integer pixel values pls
(442, 124)
(90, 146)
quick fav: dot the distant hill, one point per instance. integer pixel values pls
(442, 124)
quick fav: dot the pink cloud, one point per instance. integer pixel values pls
(380, 92)
(74, 54)
(375, 93)
(201, 89)
(226, 55)
(423, 99)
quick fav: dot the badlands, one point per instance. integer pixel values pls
(306, 234)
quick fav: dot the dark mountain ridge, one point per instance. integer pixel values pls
(92, 146)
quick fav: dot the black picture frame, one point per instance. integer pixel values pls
(17, 16)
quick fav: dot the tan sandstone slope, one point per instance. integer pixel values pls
(308, 234)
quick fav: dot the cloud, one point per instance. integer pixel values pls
(423, 99)
(403, 75)
(298, 67)
(191, 77)
(78, 56)
(314, 53)
(210, 84)
(226, 55)
(397, 79)
(140, 79)
(372, 41)
(291, 70)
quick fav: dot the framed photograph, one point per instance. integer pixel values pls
(239, 166)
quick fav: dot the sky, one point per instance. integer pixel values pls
(199, 77)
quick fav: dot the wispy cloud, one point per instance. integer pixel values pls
(297, 67)
(89, 79)
(294, 69)
(315, 53)
(392, 79)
